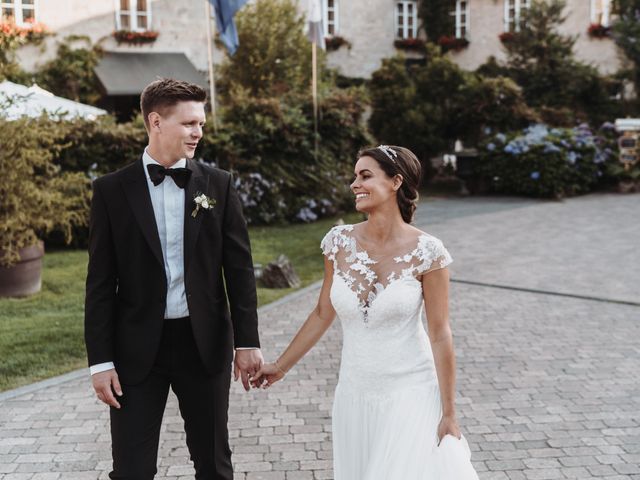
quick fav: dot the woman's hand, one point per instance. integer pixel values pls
(268, 374)
(448, 425)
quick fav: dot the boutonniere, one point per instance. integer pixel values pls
(204, 202)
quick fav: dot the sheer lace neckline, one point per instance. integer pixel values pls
(367, 277)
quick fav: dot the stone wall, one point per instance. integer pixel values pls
(369, 25)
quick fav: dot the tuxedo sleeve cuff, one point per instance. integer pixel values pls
(247, 348)
(101, 367)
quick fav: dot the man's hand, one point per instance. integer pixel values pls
(105, 384)
(246, 364)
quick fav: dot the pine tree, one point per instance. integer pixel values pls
(626, 32)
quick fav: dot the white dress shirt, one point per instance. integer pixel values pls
(167, 200)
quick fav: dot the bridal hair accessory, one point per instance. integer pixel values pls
(204, 202)
(389, 152)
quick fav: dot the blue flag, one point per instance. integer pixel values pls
(225, 10)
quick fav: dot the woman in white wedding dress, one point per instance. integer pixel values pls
(394, 408)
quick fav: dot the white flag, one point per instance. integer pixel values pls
(316, 32)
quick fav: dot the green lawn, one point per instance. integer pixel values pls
(41, 336)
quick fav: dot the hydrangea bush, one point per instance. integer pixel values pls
(541, 161)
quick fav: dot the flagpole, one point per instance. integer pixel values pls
(212, 84)
(314, 89)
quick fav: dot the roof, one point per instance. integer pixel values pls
(19, 100)
(125, 73)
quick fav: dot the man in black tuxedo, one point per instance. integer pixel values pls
(169, 256)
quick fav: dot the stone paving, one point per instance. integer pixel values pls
(548, 385)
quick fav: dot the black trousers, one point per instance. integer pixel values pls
(203, 400)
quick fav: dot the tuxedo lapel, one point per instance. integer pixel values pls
(134, 183)
(198, 183)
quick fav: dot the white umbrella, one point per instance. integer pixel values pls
(19, 100)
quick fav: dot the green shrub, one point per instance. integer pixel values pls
(100, 146)
(268, 143)
(544, 162)
(36, 197)
(71, 73)
(426, 108)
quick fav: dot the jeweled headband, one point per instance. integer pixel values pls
(389, 152)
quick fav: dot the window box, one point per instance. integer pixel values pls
(597, 30)
(135, 38)
(13, 35)
(506, 37)
(450, 42)
(415, 44)
(336, 42)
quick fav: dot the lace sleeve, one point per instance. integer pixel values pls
(329, 245)
(432, 254)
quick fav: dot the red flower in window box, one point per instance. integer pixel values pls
(13, 36)
(597, 30)
(135, 38)
(416, 44)
(506, 37)
(335, 42)
(451, 42)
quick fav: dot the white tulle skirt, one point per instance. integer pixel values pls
(393, 436)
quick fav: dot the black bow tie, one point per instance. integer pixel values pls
(158, 172)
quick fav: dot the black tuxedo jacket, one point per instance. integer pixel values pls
(126, 282)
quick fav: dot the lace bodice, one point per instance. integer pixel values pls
(378, 299)
(367, 276)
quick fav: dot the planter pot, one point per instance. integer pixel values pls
(25, 277)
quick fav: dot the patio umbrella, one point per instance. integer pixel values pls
(19, 100)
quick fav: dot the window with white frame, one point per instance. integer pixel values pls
(513, 10)
(330, 17)
(600, 12)
(19, 11)
(406, 19)
(461, 14)
(134, 15)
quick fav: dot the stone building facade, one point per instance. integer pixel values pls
(371, 27)
(180, 24)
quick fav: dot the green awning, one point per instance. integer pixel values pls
(124, 73)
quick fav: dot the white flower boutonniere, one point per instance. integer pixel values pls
(204, 202)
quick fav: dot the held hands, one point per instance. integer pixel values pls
(269, 374)
(245, 365)
(105, 384)
(448, 426)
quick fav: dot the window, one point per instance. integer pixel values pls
(406, 19)
(330, 17)
(513, 13)
(19, 11)
(134, 15)
(600, 12)
(461, 14)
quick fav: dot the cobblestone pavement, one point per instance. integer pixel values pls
(548, 385)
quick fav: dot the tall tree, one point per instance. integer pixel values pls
(274, 56)
(541, 60)
(436, 17)
(626, 32)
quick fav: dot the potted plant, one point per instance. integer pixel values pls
(36, 198)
